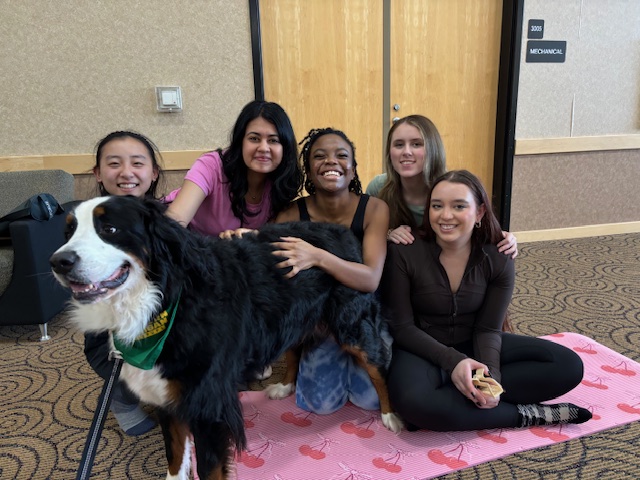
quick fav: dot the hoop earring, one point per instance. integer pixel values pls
(478, 223)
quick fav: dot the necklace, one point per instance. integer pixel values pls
(256, 196)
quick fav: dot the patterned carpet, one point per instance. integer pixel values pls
(590, 286)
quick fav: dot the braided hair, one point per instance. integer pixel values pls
(307, 142)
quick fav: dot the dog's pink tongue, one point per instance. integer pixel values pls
(115, 280)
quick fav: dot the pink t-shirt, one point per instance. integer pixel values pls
(215, 214)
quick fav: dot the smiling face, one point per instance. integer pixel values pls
(331, 163)
(453, 212)
(407, 151)
(261, 147)
(125, 167)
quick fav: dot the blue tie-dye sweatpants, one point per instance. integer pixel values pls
(329, 377)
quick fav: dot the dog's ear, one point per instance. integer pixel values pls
(173, 250)
(163, 231)
(165, 240)
(155, 220)
(153, 205)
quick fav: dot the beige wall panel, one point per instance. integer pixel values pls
(608, 95)
(575, 189)
(596, 91)
(73, 71)
(444, 65)
(323, 64)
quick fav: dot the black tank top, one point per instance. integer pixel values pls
(357, 224)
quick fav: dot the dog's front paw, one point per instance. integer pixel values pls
(279, 391)
(393, 422)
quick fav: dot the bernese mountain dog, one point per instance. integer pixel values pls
(210, 310)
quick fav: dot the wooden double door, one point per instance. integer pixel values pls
(356, 64)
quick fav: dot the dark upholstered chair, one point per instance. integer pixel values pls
(29, 295)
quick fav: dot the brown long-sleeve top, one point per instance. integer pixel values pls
(429, 320)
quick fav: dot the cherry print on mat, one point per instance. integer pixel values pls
(620, 369)
(550, 433)
(391, 463)
(350, 473)
(487, 435)
(586, 348)
(358, 429)
(317, 451)
(625, 407)
(249, 419)
(596, 382)
(256, 457)
(452, 461)
(300, 419)
(308, 454)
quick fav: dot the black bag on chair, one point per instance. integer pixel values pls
(40, 207)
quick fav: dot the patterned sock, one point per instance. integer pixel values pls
(539, 414)
(131, 418)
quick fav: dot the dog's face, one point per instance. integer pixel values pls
(105, 252)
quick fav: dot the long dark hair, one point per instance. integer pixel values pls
(154, 154)
(286, 178)
(307, 142)
(489, 230)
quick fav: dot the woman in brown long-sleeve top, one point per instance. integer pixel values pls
(447, 296)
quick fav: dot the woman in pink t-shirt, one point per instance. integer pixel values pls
(247, 184)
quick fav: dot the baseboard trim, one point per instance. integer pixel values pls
(577, 232)
(537, 146)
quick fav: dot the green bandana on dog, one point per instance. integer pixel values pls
(146, 349)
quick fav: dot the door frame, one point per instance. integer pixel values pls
(508, 77)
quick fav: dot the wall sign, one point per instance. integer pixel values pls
(536, 29)
(546, 51)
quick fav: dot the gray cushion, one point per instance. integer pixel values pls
(6, 267)
(16, 187)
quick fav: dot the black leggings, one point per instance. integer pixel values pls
(96, 349)
(533, 371)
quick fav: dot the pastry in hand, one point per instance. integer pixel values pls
(486, 385)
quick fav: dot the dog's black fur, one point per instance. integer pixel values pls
(237, 313)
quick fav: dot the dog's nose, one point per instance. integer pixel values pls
(63, 262)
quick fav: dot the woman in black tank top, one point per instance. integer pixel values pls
(327, 377)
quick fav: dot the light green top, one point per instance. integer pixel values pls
(376, 184)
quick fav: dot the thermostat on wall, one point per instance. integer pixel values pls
(169, 99)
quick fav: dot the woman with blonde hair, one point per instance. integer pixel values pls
(414, 158)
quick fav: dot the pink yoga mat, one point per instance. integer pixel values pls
(287, 443)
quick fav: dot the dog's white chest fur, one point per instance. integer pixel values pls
(148, 385)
